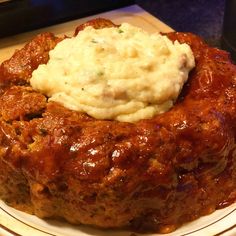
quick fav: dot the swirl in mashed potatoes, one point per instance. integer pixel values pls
(121, 73)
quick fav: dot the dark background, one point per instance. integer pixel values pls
(202, 17)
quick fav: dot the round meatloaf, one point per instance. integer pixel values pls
(152, 175)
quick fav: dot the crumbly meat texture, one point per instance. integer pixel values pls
(153, 175)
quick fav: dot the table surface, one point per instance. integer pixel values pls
(132, 14)
(202, 17)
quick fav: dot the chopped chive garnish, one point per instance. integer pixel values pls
(100, 73)
(120, 31)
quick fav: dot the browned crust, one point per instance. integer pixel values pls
(153, 175)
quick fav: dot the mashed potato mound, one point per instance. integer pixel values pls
(121, 73)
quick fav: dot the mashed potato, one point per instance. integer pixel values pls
(120, 73)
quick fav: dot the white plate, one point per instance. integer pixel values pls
(13, 222)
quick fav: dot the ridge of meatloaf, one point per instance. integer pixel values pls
(153, 175)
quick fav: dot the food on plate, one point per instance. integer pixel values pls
(150, 173)
(117, 73)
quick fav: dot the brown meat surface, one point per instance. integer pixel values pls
(18, 69)
(153, 175)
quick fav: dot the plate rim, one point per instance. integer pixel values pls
(28, 224)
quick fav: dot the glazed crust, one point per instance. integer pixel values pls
(153, 175)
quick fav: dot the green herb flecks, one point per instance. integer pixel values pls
(120, 31)
(100, 73)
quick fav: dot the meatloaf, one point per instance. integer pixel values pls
(152, 175)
